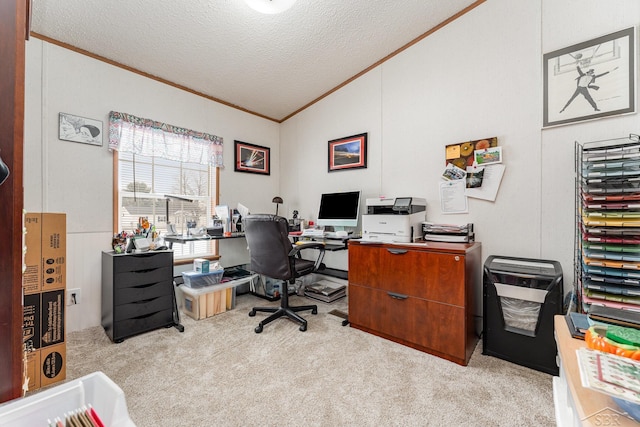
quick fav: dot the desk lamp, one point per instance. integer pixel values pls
(277, 200)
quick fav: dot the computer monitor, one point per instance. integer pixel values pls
(339, 210)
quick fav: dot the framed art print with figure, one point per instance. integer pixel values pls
(79, 129)
(590, 80)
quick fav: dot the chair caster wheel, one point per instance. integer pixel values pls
(314, 311)
(303, 327)
(252, 313)
(258, 329)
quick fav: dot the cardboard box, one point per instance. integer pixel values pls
(43, 333)
(201, 265)
(205, 302)
(44, 283)
(45, 366)
(46, 252)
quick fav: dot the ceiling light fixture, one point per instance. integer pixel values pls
(270, 6)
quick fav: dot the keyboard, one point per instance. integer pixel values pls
(335, 235)
(312, 232)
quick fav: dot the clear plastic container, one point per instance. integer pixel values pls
(195, 279)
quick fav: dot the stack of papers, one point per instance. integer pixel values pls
(447, 232)
(325, 290)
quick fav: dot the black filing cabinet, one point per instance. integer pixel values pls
(137, 293)
(520, 298)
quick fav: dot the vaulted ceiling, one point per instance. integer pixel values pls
(269, 65)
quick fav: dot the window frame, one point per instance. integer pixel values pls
(214, 255)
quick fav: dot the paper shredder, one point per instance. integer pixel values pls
(520, 298)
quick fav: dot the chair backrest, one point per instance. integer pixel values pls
(269, 245)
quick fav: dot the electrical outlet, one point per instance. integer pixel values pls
(73, 296)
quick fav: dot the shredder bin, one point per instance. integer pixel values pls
(520, 298)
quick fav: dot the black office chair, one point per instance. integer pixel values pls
(273, 255)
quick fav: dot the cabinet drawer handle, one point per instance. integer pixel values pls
(397, 251)
(397, 296)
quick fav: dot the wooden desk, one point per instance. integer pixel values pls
(576, 405)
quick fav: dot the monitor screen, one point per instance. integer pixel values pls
(339, 210)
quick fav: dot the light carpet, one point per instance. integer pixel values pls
(219, 372)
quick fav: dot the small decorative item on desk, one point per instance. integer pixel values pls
(120, 242)
(143, 238)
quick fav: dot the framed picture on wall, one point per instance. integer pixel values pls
(590, 80)
(348, 153)
(79, 129)
(251, 158)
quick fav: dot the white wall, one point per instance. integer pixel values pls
(63, 176)
(563, 24)
(478, 77)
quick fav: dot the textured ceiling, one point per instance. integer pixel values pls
(271, 65)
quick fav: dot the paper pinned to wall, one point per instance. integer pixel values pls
(452, 197)
(490, 183)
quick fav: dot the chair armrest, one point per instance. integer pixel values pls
(306, 245)
(309, 245)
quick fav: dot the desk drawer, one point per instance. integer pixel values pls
(143, 261)
(428, 324)
(142, 308)
(142, 277)
(136, 325)
(142, 292)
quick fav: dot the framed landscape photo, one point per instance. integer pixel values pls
(590, 80)
(251, 158)
(348, 153)
(79, 129)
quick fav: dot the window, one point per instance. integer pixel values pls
(154, 163)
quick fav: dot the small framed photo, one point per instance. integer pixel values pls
(348, 153)
(251, 158)
(79, 129)
(590, 80)
(488, 156)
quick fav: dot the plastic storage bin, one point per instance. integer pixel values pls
(95, 389)
(205, 302)
(195, 279)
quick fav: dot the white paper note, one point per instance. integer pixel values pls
(452, 197)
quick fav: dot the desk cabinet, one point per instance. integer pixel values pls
(137, 293)
(419, 295)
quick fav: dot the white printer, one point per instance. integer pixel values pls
(394, 219)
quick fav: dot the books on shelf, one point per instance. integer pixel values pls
(325, 290)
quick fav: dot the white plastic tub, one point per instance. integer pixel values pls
(95, 389)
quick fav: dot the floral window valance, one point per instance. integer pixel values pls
(147, 137)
